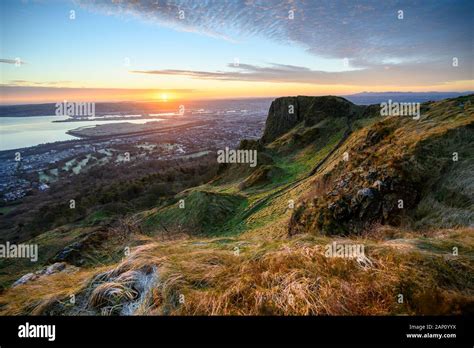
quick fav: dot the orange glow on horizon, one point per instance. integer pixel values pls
(163, 96)
(206, 90)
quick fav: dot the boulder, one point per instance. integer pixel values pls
(25, 279)
(45, 271)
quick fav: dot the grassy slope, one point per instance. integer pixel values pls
(410, 153)
(257, 269)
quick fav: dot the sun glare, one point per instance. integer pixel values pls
(164, 97)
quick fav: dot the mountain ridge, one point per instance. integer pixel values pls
(332, 173)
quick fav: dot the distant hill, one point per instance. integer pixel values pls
(124, 108)
(367, 98)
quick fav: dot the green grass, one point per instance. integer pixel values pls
(5, 210)
(203, 212)
(219, 217)
(95, 218)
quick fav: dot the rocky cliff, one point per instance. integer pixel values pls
(287, 112)
(397, 171)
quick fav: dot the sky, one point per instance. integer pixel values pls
(53, 50)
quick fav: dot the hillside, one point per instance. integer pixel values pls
(254, 241)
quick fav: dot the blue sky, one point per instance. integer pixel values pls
(307, 52)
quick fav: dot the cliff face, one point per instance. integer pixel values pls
(398, 171)
(388, 170)
(281, 118)
(287, 112)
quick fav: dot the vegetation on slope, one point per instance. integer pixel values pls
(254, 240)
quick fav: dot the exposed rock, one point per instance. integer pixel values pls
(365, 193)
(287, 112)
(25, 279)
(45, 271)
(69, 253)
(347, 209)
(54, 268)
(307, 136)
(282, 116)
(76, 252)
(388, 174)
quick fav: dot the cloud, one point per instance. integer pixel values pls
(23, 85)
(16, 94)
(34, 83)
(368, 33)
(12, 61)
(392, 74)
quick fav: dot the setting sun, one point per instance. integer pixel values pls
(164, 97)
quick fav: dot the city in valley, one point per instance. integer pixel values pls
(191, 134)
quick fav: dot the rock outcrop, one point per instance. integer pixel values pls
(45, 271)
(286, 112)
(392, 166)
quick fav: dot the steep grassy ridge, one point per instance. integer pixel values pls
(255, 240)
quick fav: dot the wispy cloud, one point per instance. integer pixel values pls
(392, 74)
(28, 86)
(35, 83)
(368, 33)
(12, 61)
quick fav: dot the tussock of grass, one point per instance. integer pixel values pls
(295, 278)
(253, 276)
(36, 297)
(111, 293)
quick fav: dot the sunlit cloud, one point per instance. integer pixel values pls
(393, 74)
(14, 94)
(37, 83)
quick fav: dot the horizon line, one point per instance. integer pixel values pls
(468, 92)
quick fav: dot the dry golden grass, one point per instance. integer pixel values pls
(253, 275)
(34, 297)
(285, 277)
